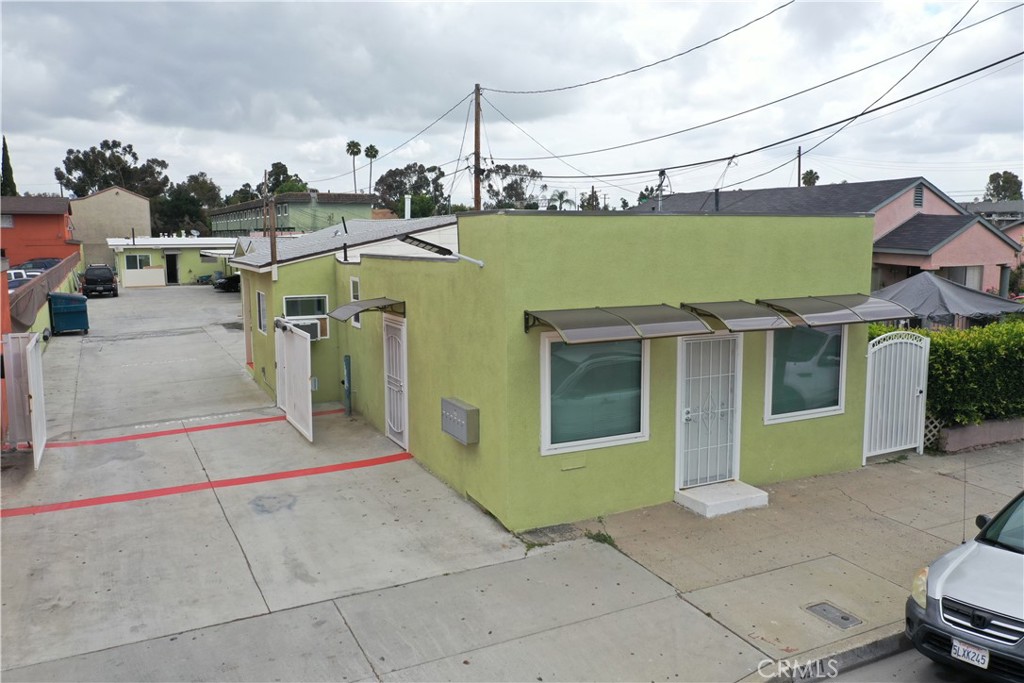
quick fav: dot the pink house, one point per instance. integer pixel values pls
(917, 226)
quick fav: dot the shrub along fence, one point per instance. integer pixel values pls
(975, 374)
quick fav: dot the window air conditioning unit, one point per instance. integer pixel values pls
(310, 327)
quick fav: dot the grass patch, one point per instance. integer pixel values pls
(601, 537)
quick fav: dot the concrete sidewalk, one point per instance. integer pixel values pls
(213, 542)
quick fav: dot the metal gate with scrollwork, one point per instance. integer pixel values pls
(897, 388)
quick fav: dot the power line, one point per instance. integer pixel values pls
(646, 66)
(800, 135)
(398, 147)
(760, 106)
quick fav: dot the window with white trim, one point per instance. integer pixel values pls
(806, 373)
(261, 312)
(7, 220)
(353, 295)
(308, 309)
(593, 395)
(136, 261)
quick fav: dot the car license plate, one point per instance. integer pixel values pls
(972, 654)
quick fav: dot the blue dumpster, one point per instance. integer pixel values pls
(68, 313)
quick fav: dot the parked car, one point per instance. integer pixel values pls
(231, 283)
(99, 278)
(17, 282)
(39, 263)
(966, 609)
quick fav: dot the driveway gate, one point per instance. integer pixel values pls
(294, 376)
(897, 387)
(23, 358)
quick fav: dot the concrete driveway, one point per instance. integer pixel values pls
(179, 529)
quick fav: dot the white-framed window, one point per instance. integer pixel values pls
(284, 209)
(261, 312)
(7, 220)
(593, 395)
(353, 295)
(136, 261)
(806, 373)
(308, 309)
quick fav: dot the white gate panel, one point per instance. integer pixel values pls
(23, 359)
(897, 388)
(396, 405)
(294, 376)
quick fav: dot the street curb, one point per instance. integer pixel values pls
(843, 661)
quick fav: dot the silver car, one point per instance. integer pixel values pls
(966, 609)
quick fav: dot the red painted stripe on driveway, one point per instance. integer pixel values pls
(180, 430)
(202, 486)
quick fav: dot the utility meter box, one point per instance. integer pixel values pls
(460, 420)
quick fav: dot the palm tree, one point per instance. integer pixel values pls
(561, 197)
(371, 153)
(810, 178)
(353, 148)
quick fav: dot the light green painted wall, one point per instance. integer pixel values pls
(156, 258)
(305, 278)
(190, 263)
(466, 339)
(69, 286)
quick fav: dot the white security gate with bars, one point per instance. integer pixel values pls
(897, 387)
(294, 376)
(709, 420)
(396, 406)
(23, 359)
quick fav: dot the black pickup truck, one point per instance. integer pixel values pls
(99, 279)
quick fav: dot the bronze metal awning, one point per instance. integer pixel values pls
(840, 309)
(617, 323)
(739, 316)
(345, 312)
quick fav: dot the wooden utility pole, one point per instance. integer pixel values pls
(269, 217)
(798, 160)
(476, 149)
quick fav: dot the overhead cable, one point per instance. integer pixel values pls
(645, 66)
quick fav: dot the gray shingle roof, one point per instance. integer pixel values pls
(839, 199)
(923, 234)
(332, 239)
(35, 205)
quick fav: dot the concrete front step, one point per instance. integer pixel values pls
(721, 498)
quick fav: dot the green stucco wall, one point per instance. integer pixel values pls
(466, 340)
(305, 278)
(190, 264)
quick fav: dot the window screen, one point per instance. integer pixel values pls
(305, 306)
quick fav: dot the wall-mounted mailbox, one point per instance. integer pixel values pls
(460, 420)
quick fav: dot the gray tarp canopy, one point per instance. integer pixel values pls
(936, 299)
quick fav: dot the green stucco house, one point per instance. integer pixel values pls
(292, 212)
(169, 259)
(556, 366)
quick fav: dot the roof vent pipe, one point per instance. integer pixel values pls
(408, 206)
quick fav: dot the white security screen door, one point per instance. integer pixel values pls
(294, 376)
(396, 401)
(26, 409)
(708, 421)
(897, 386)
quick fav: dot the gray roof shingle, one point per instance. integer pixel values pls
(818, 200)
(333, 239)
(35, 205)
(923, 234)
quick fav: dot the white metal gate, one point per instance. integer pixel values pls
(23, 359)
(897, 387)
(396, 401)
(708, 386)
(294, 376)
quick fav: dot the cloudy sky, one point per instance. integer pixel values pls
(230, 88)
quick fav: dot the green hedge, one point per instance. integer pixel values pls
(975, 374)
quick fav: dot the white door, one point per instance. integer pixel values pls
(708, 434)
(294, 376)
(396, 401)
(897, 387)
(26, 409)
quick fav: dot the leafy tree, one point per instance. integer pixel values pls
(512, 186)
(590, 201)
(414, 179)
(202, 187)
(809, 178)
(278, 177)
(559, 198)
(292, 185)
(353, 149)
(245, 193)
(624, 202)
(1003, 186)
(645, 194)
(370, 153)
(112, 163)
(458, 208)
(178, 209)
(7, 186)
